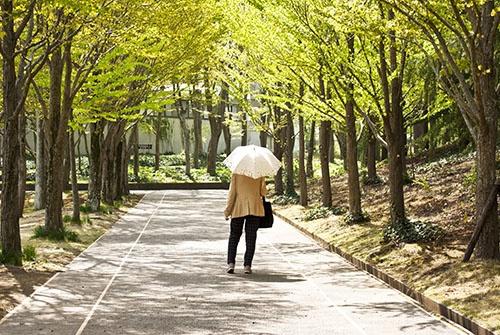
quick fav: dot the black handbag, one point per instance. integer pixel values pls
(267, 220)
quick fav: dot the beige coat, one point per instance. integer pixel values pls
(245, 196)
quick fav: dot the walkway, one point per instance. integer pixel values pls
(161, 271)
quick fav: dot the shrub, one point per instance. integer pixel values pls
(319, 212)
(286, 199)
(424, 183)
(370, 181)
(67, 218)
(59, 235)
(85, 220)
(29, 253)
(412, 231)
(353, 219)
(470, 179)
(85, 208)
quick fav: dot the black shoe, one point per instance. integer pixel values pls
(230, 268)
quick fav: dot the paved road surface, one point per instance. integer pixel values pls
(161, 271)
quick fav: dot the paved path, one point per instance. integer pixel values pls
(161, 271)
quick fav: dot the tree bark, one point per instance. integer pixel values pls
(95, 179)
(135, 140)
(110, 161)
(244, 129)
(262, 133)
(215, 124)
(302, 168)
(420, 129)
(351, 144)
(56, 135)
(41, 175)
(341, 138)
(197, 128)
(332, 149)
(278, 139)
(157, 141)
(310, 150)
(181, 113)
(11, 238)
(22, 162)
(289, 146)
(486, 96)
(371, 160)
(226, 131)
(324, 148)
(74, 179)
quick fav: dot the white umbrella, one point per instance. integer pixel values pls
(252, 161)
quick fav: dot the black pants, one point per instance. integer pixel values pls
(251, 226)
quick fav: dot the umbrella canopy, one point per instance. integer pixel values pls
(252, 161)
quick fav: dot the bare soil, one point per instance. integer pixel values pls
(16, 283)
(442, 193)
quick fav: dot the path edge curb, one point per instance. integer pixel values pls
(425, 302)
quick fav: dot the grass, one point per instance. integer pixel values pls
(63, 234)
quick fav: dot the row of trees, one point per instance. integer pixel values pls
(362, 70)
(387, 65)
(95, 67)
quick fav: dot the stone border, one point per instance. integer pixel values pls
(427, 303)
(154, 186)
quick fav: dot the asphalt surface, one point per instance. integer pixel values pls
(161, 270)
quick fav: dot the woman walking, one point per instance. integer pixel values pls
(245, 208)
(250, 165)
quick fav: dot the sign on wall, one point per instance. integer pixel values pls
(145, 146)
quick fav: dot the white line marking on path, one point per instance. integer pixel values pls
(29, 299)
(316, 286)
(124, 260)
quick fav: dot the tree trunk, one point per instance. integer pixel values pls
(198, 145)
(226, 131)
(157, 141)
(110, 161)
(125, 155)
(11, 238)
(302, 168)
(181, 114)
(262, 133)
(352, 145)
(244, 129)
(341, 138)
(95, 179)
(310, 150)
(41, 175)
(74, 179)
(119, 169)
(56, 147)
(67, 166)
(215, 124)
(22, 162)
(135, 140)
(332, 149)
(324, 149)
(371, 159)
(420, 129)
(486, 96)
(278, 150)
(290, 143)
